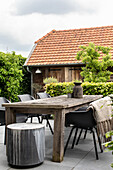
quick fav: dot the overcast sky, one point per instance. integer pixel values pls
(22, 22)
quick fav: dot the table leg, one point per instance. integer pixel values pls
(10, 118)
(58, 138)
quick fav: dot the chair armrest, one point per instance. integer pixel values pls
(82, 111)
(82, 108)
(78, 112)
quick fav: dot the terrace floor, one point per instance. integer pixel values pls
(82, 157)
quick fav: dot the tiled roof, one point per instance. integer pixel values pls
(61, 47)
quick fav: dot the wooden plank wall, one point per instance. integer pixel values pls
(58, 73)
(65, 74)
(62, 74)
(74, 73)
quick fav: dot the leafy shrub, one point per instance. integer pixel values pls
(14, 79)
(97, 88)
(109, 145)
(56, 89)
(94, 70)
(50, 80)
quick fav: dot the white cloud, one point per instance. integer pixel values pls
(19, 32)
(53, 6)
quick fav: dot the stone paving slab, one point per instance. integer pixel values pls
(82, 157)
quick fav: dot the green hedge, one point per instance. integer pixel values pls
(56, 89)
(98, 88)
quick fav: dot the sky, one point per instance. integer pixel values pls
(22, 22)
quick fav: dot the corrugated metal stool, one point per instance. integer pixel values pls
(25, 144)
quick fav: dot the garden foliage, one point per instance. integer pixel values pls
(14, 79)
(97, 59)
(55, 89)
(50, 80)
(109, 145)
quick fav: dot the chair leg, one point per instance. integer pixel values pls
(41, 119)
(79, 137)
(74, 138)
(95, 144)
(47, 117)
(49, 125)
(85, 134)
(68, 139)
(31, 119)
(5, 136)
(99, 141)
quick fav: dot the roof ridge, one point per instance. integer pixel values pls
(45, 36)
(84, 28)
(61, 47)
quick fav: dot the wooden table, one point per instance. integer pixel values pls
(58, 106)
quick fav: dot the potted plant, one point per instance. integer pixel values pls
(78, 82)
(50, 80)
(36, 88)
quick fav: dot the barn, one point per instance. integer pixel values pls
(54, 54)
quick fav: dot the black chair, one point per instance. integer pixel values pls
(83, 119)
(27, 97)
(43, 95)
(2, 110)
(19, 117)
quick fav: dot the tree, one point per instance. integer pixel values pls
(96, 60)
(11, 75)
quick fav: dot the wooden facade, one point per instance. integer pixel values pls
(61, 73)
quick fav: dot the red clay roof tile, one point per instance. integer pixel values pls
(61, 47)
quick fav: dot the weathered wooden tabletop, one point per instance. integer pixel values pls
(55, 102)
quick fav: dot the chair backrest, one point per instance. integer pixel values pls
(43, 95)
(25, 97)
(3, 100)
(81, 119)
(2, 110)
(19, 117)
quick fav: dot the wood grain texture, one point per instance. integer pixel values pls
(55, 102)
(58, 147)
(10, 118)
